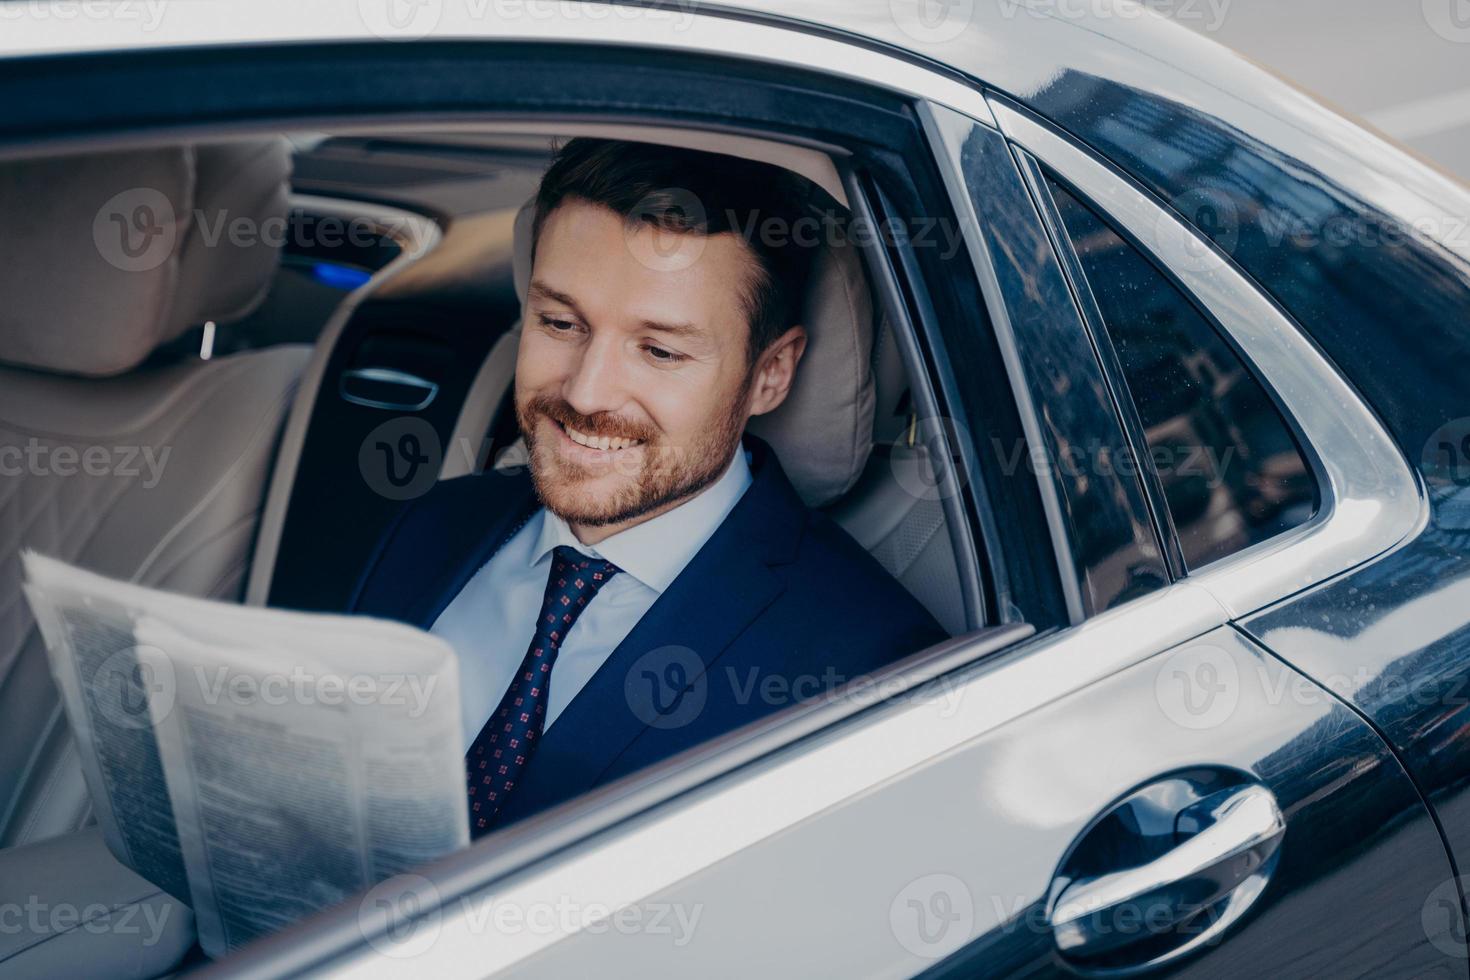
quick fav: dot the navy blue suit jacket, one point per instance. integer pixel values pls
(780, 605)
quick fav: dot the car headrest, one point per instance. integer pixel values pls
(111, 254)
(823, 432)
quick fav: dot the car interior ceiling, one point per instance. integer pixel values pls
(338, 331)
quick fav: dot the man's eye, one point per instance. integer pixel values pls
(665, 356)
(560, 326)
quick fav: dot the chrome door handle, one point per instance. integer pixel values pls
(1229, 846)
(386, 388)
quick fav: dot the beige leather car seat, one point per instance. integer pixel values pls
(153, 472)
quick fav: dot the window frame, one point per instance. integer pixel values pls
(1112, 368)
(1048, 358)
(1370, 498)
(342, 98)
(1041, 181)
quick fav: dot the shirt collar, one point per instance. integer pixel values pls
(656, 550)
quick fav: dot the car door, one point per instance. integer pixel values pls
(1142, 789)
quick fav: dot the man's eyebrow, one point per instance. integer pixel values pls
(540, 288)
(675, 329)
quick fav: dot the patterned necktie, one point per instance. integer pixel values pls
(501, 751)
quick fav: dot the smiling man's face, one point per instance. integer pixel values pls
(634, 380)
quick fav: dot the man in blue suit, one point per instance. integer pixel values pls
(636, 593)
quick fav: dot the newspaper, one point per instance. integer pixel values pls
(254, 763)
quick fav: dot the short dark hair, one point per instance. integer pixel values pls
(691, 191)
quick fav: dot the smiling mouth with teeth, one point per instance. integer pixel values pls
(604, 443)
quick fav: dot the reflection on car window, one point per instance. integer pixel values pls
(1231, 471)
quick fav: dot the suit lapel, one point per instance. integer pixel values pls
(474, 518)
(720, 592)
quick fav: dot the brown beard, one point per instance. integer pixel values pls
(667, 474)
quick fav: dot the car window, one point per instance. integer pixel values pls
(1231, 471)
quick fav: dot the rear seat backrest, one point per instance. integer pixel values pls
(154, 473)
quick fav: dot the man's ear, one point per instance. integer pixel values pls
(776, 371)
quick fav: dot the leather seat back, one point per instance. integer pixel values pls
(148, 472)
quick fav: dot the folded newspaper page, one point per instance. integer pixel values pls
(257, 764)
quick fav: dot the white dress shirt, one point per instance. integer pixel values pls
(491, 621)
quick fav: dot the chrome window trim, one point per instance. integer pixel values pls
(578, 22)
(1371, 498)
(946, 137)
(635, 860)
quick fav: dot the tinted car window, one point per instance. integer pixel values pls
(1231, 471)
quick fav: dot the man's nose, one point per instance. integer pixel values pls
(596, 382)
